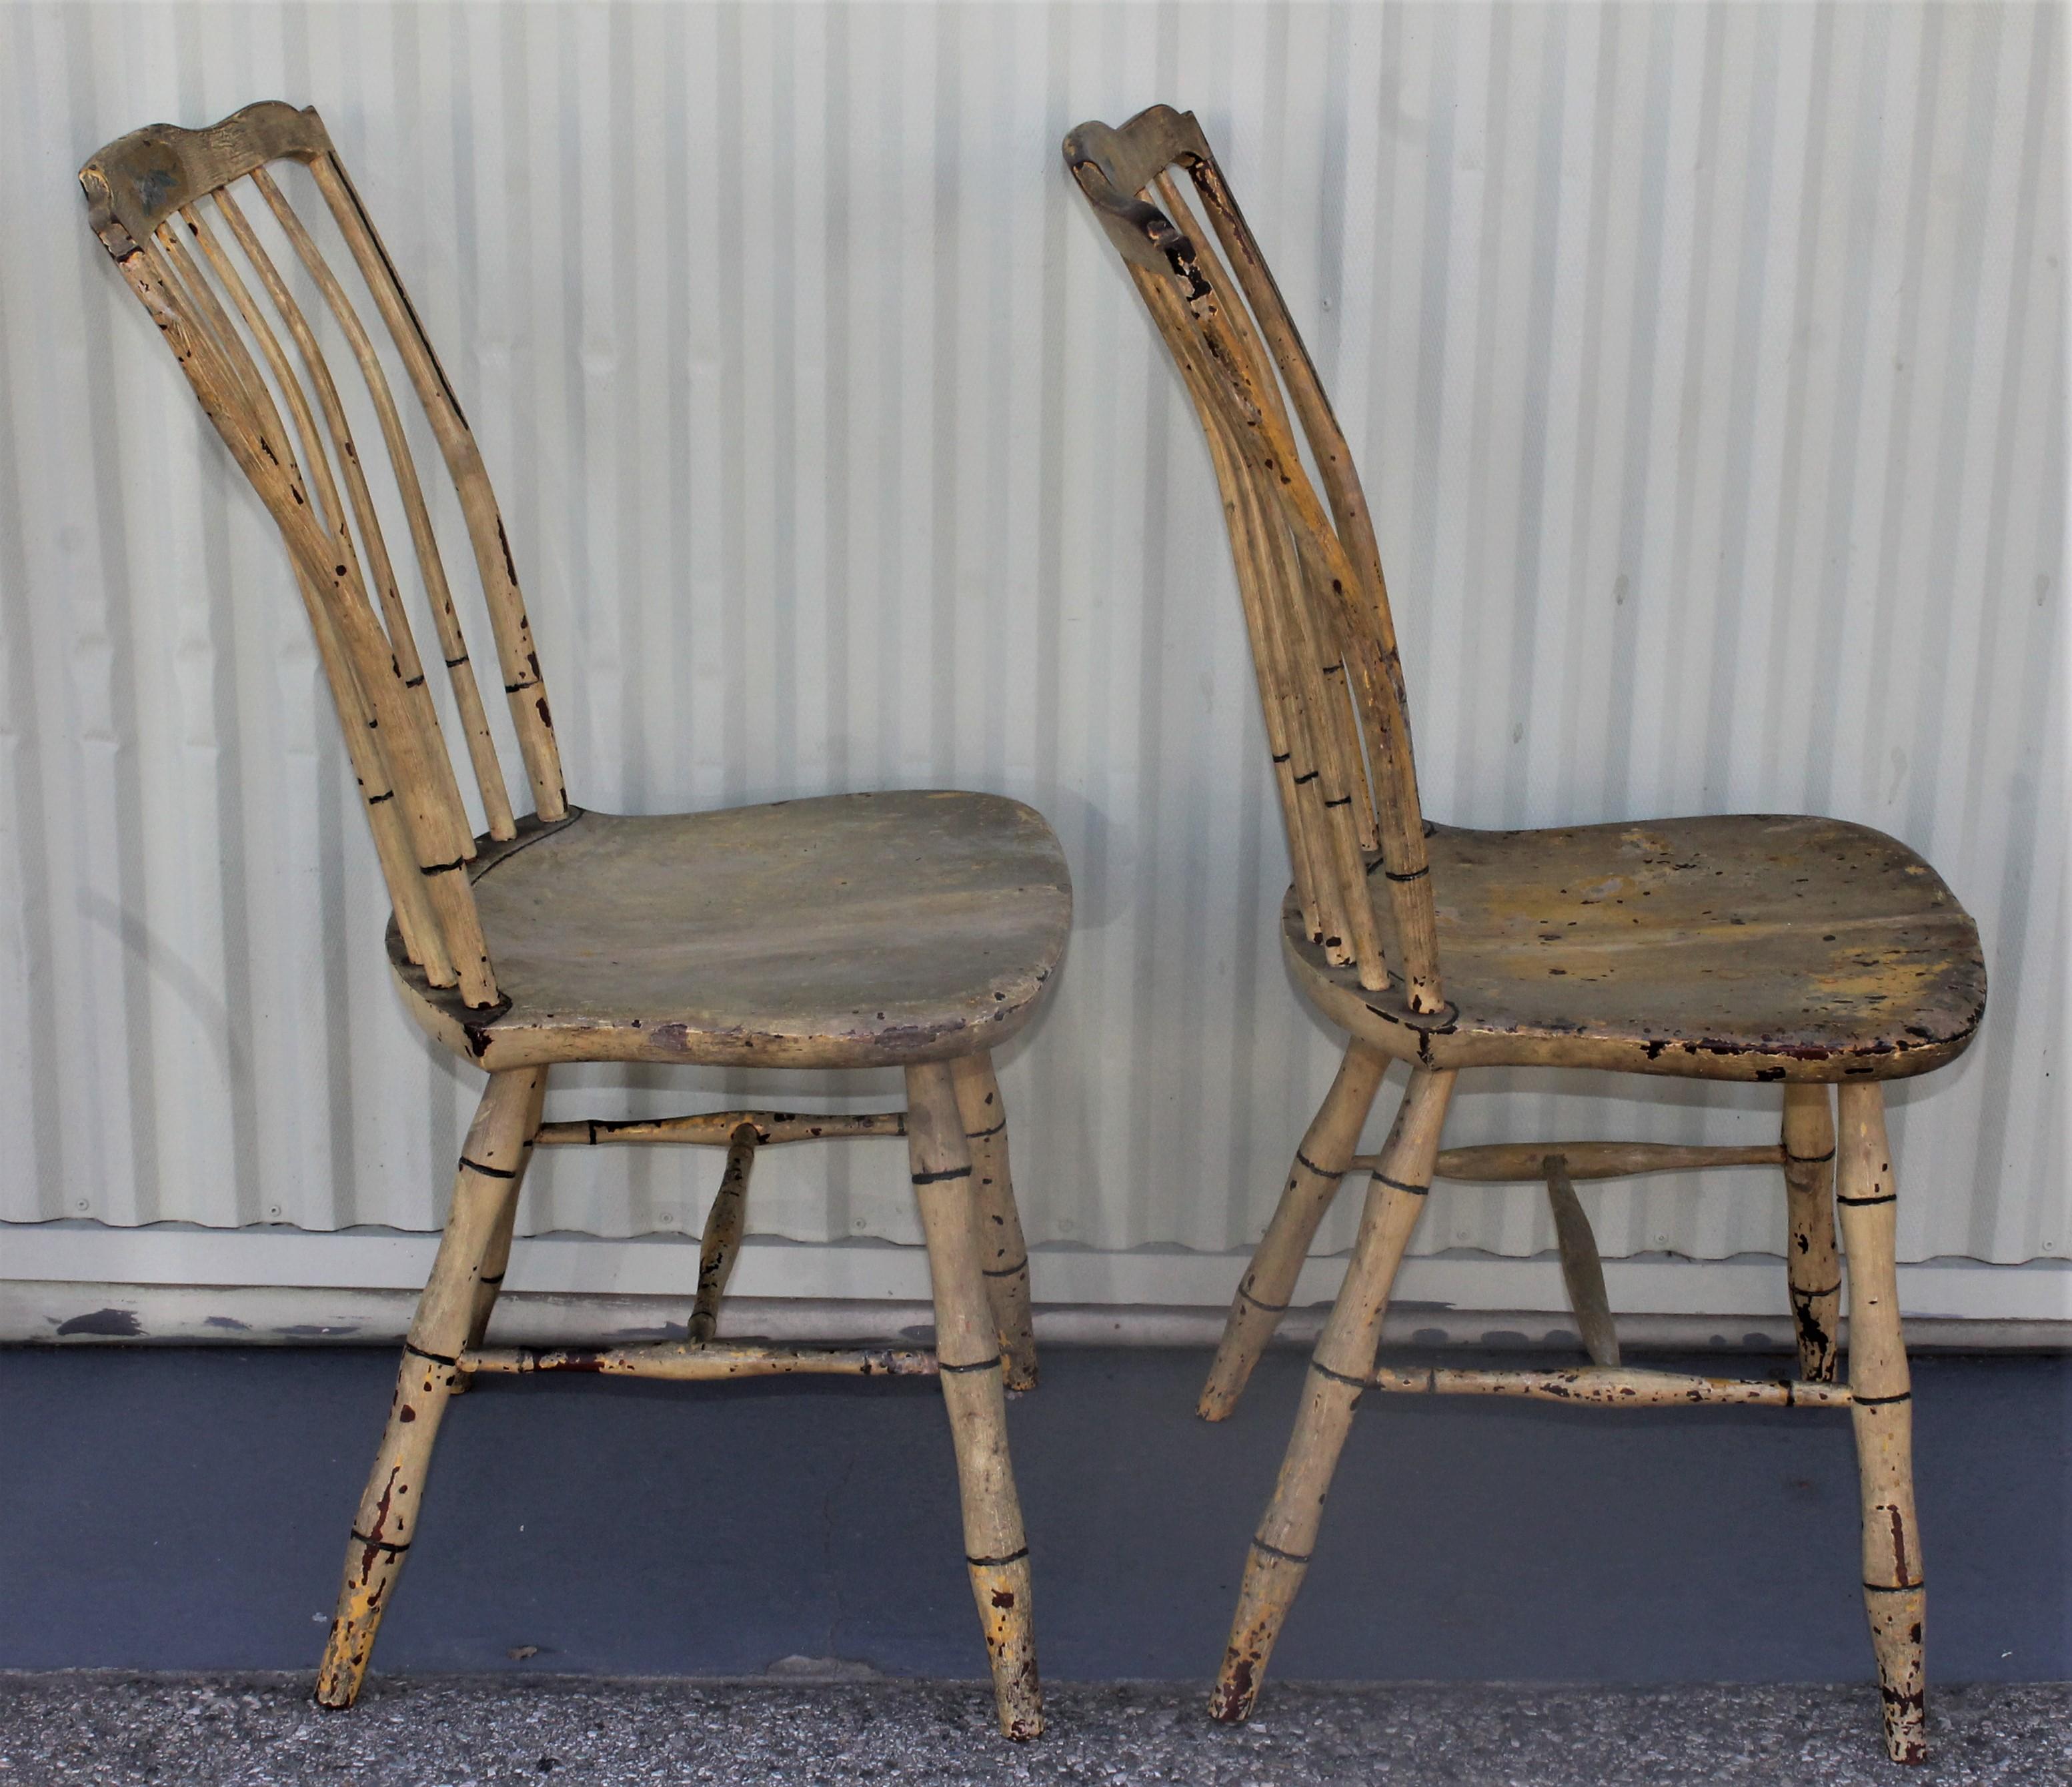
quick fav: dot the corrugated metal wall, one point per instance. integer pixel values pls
(1707, 364)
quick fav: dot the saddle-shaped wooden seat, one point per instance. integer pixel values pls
(1746, 947)
(852, 930)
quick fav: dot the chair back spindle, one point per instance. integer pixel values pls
(1316, 604)
(164, 203)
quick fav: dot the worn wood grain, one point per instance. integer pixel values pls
(1322, 1158)
(1749, 947)
(716, 1129)
(1339, 1369)
(1582, 1271)
(1895, 1592)
(849, 931)
(1812, 1265)
(704, 1361)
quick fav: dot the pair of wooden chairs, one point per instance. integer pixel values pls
(920, 929)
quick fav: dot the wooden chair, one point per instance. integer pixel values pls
(916, 930)
(1798, 950)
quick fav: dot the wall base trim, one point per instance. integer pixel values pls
(74, 1312)
(178, 1282)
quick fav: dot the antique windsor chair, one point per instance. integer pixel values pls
(915, 930)
(1799, 950)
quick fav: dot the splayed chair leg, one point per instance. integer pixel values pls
(1894, 1596)
(1001, 1245)
(968, 1349)
(1320, 1163)
(1339, 1369)
(484, 1187)
(496, 1257)
(1815, 1268)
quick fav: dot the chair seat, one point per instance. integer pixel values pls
(1751, 947)
(857, 930)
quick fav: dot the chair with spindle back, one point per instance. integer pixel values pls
(913, 930)
(1802, 951)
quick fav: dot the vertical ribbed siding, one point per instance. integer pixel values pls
(1706, 366)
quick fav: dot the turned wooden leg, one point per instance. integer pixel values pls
(485, 1184)
(1815, 1268)
(725, 1223)
(1001, 1247)
(1313, 1181)
(968, 1350)
(1883, 1412)
(496, 1256)
(1340, 1369)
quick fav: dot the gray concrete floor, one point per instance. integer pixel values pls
(610, 1578)
(115, 1730)
(186, 1510)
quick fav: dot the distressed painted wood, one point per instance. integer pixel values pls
(1582, 1271)
(1756, 947)
(496, 1256)
(1005, 1253)
(716, 1129)
(704, 1362)
(485, 1181)
(1339, 1369)
(1895, 1597)
(913, 929)
(1811, 1262)
(1508, 1163)
(725, 1226)
(1626, 1387)
(708, 938)
(1323, 1157)
(971, 1362)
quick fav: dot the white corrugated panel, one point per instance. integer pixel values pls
(1707, 365)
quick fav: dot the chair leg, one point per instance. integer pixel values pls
(486, 1184)
(1883, 1412)
(1340, 1369)
(1005, 1253)
(1313, 1182)
(968, 1349)
(1815, 1270)
(496, 1256)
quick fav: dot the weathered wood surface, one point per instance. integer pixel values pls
(704, 1361)
(1613, 1387)
(1339, 1369)
(1749, 947)
(1322, 1161)
(1895, 1597)
(715, 1129)
(1316, 600)
(1003, 1250)
(1812, 1266)
(485, 1181)
(856, 930)
(147, 176)
(725, 1224)
(972, 1365)
(1582, 1271)
(1506, 1163)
